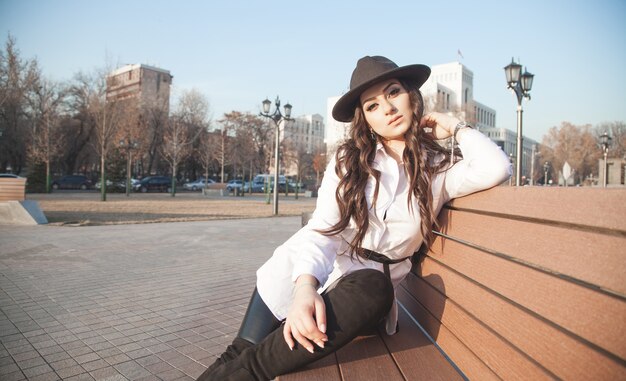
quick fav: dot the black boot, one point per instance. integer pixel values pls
(256, 325)
(360, 299)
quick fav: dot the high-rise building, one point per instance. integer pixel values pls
(302, 136)
(149, 85)
(305, 133)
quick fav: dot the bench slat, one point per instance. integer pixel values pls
(497, 354)
(603, 208)
(549, 346)
(416, 356)
(367, 358)
(567, 304)
(591, 257)
(464, 358)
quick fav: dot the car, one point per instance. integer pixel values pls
(198, 184)
(256, 187)
(9, 176)
(72, 182)
(155, 183)
(120, 185)
(234, 184)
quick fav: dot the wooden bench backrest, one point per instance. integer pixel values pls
(12, 189)
(528, 283)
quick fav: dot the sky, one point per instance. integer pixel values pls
(238, 52)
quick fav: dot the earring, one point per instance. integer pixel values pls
(372, 134)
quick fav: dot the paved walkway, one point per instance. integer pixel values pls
(136, 302)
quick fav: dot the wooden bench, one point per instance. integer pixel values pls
(522, 283)
(12, 189)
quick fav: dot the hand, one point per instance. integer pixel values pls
(443, 125)
(301, 324)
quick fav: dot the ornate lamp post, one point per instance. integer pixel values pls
(277, 117)
(546, 166)
(129, 145)
(521, 85)
(605, 142)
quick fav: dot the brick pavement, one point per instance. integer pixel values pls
(136, 302)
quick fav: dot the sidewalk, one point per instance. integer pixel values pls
(136, 302)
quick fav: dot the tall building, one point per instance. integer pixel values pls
(450, 88)
(302, 136)
(305, 133)
(336, 132)
(149, 85)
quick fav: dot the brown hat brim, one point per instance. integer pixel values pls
(343, 111)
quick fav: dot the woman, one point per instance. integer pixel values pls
(377, 204)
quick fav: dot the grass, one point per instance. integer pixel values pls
(85, 208)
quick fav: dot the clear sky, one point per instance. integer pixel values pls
(239, 52)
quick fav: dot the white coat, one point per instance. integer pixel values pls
(394, 229)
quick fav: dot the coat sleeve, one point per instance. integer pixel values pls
(307, 252)
(484, 165)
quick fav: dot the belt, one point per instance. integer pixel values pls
(377, 257)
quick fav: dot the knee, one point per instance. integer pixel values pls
(374, 285)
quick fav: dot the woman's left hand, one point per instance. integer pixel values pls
(442, 124)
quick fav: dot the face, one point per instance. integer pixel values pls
(387, 109)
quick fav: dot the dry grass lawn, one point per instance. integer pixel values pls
(85, 208)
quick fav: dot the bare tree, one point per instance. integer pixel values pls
(105, 115)
(183, 128)
(319, 165)
(573, 144)
(193, 109)
(17, 78)
(45, 144)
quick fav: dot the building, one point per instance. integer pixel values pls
(450, 88)
(305, 133)
(336, 132)
(507, 140)
(302, 136)
(616, 171)
(149, 85)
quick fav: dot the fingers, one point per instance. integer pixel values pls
(287, 336)
(320, 315)
(302, 340)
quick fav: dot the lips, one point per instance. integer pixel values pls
(394, 120)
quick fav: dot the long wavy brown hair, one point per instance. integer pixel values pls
(354, 160)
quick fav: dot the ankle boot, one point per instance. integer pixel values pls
(257, 323)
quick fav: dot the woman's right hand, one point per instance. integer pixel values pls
(306, 320)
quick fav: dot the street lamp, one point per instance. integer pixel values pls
(605, 142)
(129, 146)
(546, 166)
(277, 117)
(521, 85)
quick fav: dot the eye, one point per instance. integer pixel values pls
(371, 107)
(394, 91)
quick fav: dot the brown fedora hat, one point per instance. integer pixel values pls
(368, 71)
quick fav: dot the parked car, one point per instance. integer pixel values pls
(72, 182)
(155, 183)
(256, 187)
(269, 178)
(9, 175)
(198, 184)
(120, 185)
(234, 184)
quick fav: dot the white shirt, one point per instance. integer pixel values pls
(394, 229)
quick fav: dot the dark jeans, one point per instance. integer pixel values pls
(358, 302)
